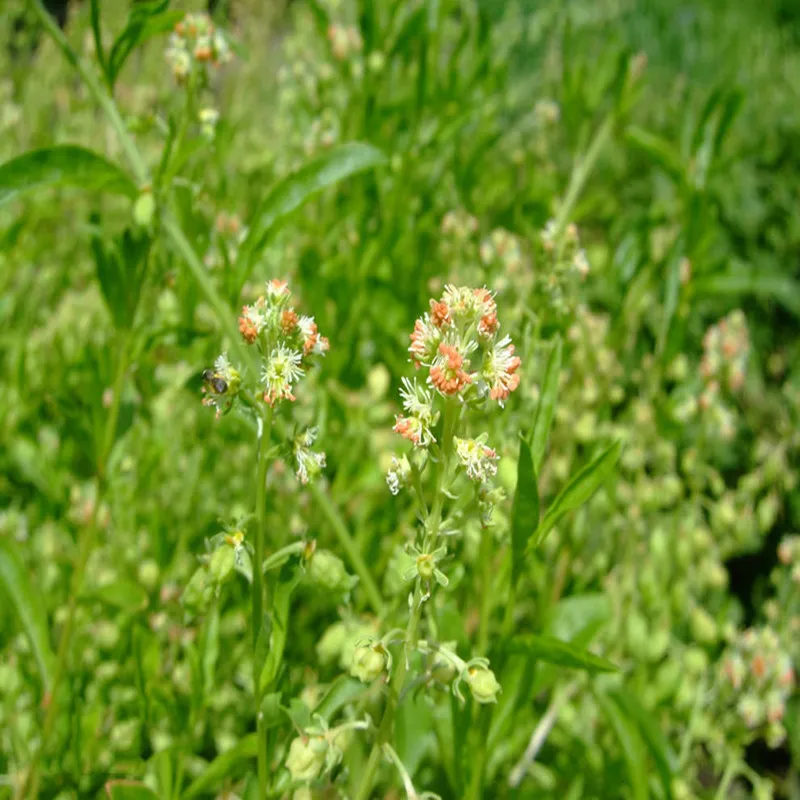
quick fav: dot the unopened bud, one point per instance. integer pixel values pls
(144, 208)
(483, 684)
(704, 628)
(328, 572)
(369, 662)
(306, 757)
(222, 562)
(198, 591)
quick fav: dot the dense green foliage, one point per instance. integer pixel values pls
(578, 575)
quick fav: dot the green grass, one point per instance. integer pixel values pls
(635, 595)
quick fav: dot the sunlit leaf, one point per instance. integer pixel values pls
(341, 692)
(63, 165)
(295, 189)
(563, 654)
(766, 285)
(15, 583)
(146, 20)
(665, 758)
(129, 790)
(221, 767)
(524, 511)
(659, 150)
(126, 595)
(547, 405)
(580, 488)
(630, 742)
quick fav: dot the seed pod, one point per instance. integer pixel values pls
(328, 572)
(369, 662)
(483, 684)
(307, 755)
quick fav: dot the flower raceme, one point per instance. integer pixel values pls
(288, 344)
(458, 342)
(286, 340)
(195, 43)
(468, 361)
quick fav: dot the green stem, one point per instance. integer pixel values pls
(508, 617)
(485, 560)
(261, 515)
(432, 524)
(481, 716)
(348, 544)
(258, 589)
(730, 773)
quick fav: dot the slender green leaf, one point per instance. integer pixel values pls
(630, 742)
(15, 582)
(659, 150)
(146, 20)
(671, 294)
(575, 620)
(63, 165)
(665, 758)
(299, 713)
(767, 285)
(287, 581)
(129, 790)
(341, 692)
(123, 594)
(580, 488)
(547, 405)
(251, 790)
(271, 710)
(297, 188)
(563, 654)
(120, 269)
(525, 509)
(94, 14)
(210, 653)
(221, 767)
(262, 643)
(574, 616)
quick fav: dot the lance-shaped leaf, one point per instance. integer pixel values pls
(562, 654)
(297, 188)
(547, 405)
(659, 150)
(630, 743)
(221, 767)
(129, 790)
(126, 595)
(15, 582)
(63, 165)
(665, 758)
(342, 691)
(524, 511)
(146, 20)
(287, 582)
(580, 488)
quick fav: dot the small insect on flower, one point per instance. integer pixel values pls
(221, 384)
(218, 384)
